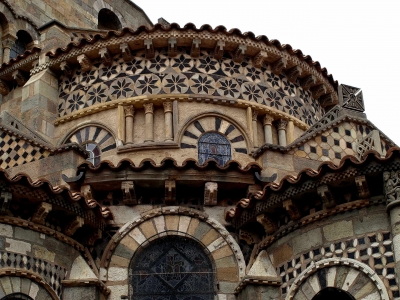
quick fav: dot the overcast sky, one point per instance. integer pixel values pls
(357, 41)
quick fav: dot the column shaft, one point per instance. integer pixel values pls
(168, 121)
(149, 122)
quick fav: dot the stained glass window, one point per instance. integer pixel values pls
(216, 146)
(172, 268)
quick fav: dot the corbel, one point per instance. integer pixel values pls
(278, 66)
(269, 225)
(172, 47)
(126, 52)
(210, 193)
(19, 77)
(293, 73)
(149, 47)
(318, 91)
(219, 49)
(94, 237)
(195, 50)
(308, 81)
(87, 192)
(252, 189)
(85, 62)
(73, 226)
(327, 197)
(105, 56)
(6, 197)
(239, 53)
(362, 186)
(4, 88)
(259, 59)
(66, 69)
(170, 192)
(327, 100)
(128, 193)
(41, 213)
(292, 209)
(249, 237)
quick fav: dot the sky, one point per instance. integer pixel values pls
(356, 41)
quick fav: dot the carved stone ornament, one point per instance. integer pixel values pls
(167, 106)
(41, 213)
(148, 108)
(6, 199)
(85, 62)
(73, 226)
(259, 59)
(19, 77)
(128, 193)
(269, 225)
(195, 50)
(268, 119)
(170, 192)
(293, 73)
(172, 47)
(210, 193)
(351, 98)
(87, 192)
(318, 91)
(239, 53)
(327, 197)
(282, 124)
(129, 110)
(362, 186)
(249, 237)
(292, 209)
(327, 100)
(308, 81)
(149, 47)
(4, 89)
(391, 185)
(105, 56)
(278, 66)
(219, 49)
(126, 52)
(66, 69)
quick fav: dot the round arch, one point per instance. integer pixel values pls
(353, 277)
(100, 4)
(108, 20)
(225, 253)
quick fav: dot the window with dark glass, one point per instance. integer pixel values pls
(213, 145)
(172, 268)
(20, 45)
(94, 153)
(108, 20)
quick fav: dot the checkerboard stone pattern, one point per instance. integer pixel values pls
(335, 143)
(15, 151)
(374, 250)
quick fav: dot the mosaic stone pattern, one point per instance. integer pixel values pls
(51, 273)
(335, 143)
(186, 75)
(15, 151)
(100, 136)
(375, 250)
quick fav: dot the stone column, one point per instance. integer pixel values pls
(149, 122)
(268, 129)
(168, 121)
(282, 132)
(255, 134)
(129, 112)
(7, 45)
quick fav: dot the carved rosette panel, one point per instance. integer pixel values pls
(183, 74)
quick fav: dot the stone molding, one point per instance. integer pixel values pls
(257, 280)
(87, 283)
(330, 262)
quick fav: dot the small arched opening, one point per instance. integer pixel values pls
(21, 44)
(108, 20)
(213, 145)
(332, 293)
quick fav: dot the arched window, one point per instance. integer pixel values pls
(216, 146)
(172, 267)
(331, 293)
(108, 20)
(16, 296)
(20, 45)
(94, 153)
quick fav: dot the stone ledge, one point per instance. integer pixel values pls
(147, 146)
(88, 282)
(257, 280)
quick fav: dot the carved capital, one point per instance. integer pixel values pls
(73, 226)
(282, 124)
(292, 209)
(126, 52)
(129, 110)
(249, 237)
(195, 50)
(8, 42)
(327, 197)
(293, 73)
(318, 91)
(308, 81)
(278, 66)
(170, 192)
(219, 49)
(254, 115)
(41, 213)
(172, 47)
(391, 185)
(66, 69)
(167, 106)
(85, 62)
(4, 88)
(105, 56)
(148, 108)
(149, 48)
(210, 193)
(269, 225)
(362, 186)
(259, 59)
(128, 193)
(19, 77)
(239, 53)
(268, 119)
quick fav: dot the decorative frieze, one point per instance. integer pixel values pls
(210, 193)
(128, 193)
